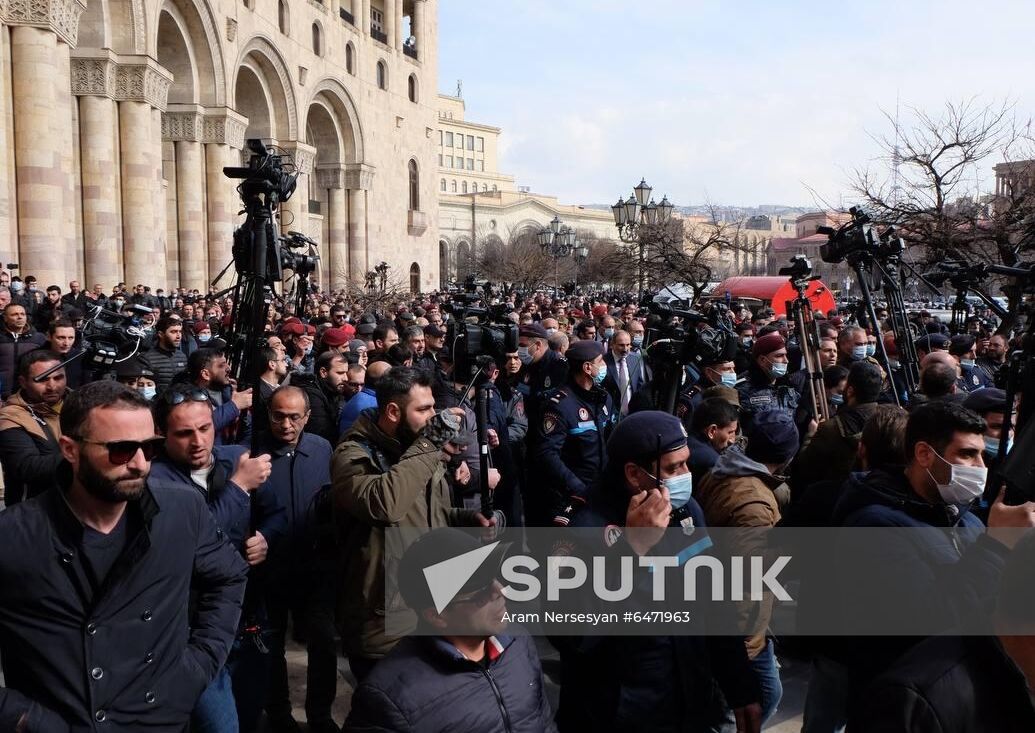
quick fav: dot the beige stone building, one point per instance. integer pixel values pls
(117, 117)
(478, 205)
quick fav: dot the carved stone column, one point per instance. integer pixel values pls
(141, 85)
(223, 137)
(359, 178)
(393, 22)
(332, 179)
(419, 30)
(93, 82)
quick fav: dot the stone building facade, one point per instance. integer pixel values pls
(118, 116)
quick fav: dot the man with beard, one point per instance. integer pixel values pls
(166, 359)
(248, 515)
(209, 370)
(29, 427)
(326, 390)
(388, 471)
(119, 555)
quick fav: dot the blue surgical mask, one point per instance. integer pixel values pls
(837, 399)
(601, 375)
(551, 331)
(777, 369)
(968, 363)
(524, 356)
(894, 363)
(148, 393)
(204, 336)
(637, 342)
(728, 378)
(680, 488)
(992, 445)
(859, 352)
(747, 340)
(609, 333)
(871, 349)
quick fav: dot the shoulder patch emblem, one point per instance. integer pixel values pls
(546, 383)
(681, 409)
(549, 423)
(612, 533)
(583, 413)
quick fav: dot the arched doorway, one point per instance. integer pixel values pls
(463, 260)
(414, 279)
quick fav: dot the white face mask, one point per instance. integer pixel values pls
(966, 483)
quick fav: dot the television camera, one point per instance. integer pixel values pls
(107, 338)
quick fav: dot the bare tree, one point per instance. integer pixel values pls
(518, 261)
(925, 183)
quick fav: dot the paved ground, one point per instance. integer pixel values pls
(787, 719)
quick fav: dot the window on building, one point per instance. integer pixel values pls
(377, 20)
(350, 62)
(454, 186)
(282, 16)
(317, 41)
(411, 88)
(382, 75)
(414, 186)
(440, 138)
(474, 186)
(460, 140)
(470, 142)
(441, 160)
(470, 164)
(494, 188)
(480, 146)
(442, 185)
(449, 139)
(481, 166)
(414, 278)
(449, 161)
(485, 187)
(463, 187)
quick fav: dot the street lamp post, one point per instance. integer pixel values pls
(635, 214)
(558, 241)
(581, 253)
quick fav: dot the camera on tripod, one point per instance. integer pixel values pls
(856, 236)
(492, 336)
(799, 269)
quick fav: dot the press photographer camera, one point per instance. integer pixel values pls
(855, 236)
(107, 338)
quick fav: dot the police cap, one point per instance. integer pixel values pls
(584, 350)
(643, 436)
(983, 401)
(534, 331)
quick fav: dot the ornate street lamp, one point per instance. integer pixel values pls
(633, 214)
(558, 241)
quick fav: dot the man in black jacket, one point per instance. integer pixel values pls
(459, 672)
(95, 576)
(166, 359)
(16, 338)
(326, 389)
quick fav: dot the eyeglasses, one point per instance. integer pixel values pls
(121, 452)
(278, 417)
(178, 397)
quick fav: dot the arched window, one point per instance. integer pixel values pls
(317, 41)
(442, 185)
(414, 186)
(382, 75)
(463, 187)
(474, 186)
(282, 16)
(454, 187)
(349, 53)
(411, 88)
(414, 278)
(485, 187)
(494, 187)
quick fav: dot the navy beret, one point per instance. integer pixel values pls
(961, 343)
(773, 437)
(534, 331)
(584, 350)
(989, 399)
(643, 436)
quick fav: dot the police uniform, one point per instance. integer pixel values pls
(972, 378)
(540, 377)
(568, 452)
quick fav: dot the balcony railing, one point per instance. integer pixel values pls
(346, 16)
(378, 35)
(410, 51)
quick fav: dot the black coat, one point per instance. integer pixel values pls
(12, 347)
(165, 364)
(324, 407)
(128, 658)
(948, 684)
(425, 684)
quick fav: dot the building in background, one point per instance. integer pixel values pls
(118, 117)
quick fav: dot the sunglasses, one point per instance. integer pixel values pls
(121, 452)
(180, 396)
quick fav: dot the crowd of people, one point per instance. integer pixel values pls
(167, 527)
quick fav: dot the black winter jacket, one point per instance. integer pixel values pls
(165, 364)
(127, 658)
(426, 685)
(12, 347)
(324, 407)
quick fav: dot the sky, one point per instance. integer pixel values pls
(731, 102)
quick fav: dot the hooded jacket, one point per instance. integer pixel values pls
(739, 493)
(377, 484)
(29, 450)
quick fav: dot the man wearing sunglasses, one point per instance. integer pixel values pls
(30, 429)
(120, 556)
(240, 500)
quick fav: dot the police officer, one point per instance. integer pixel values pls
(931, 342)
(542, 368)
(571, 432)
(972, 377)
(766, 387)
(653, 682)
(717, 368)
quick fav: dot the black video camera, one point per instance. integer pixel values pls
(265, 174)
(857, 236)
(473, 344)
(799, 269)
(108, 336)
